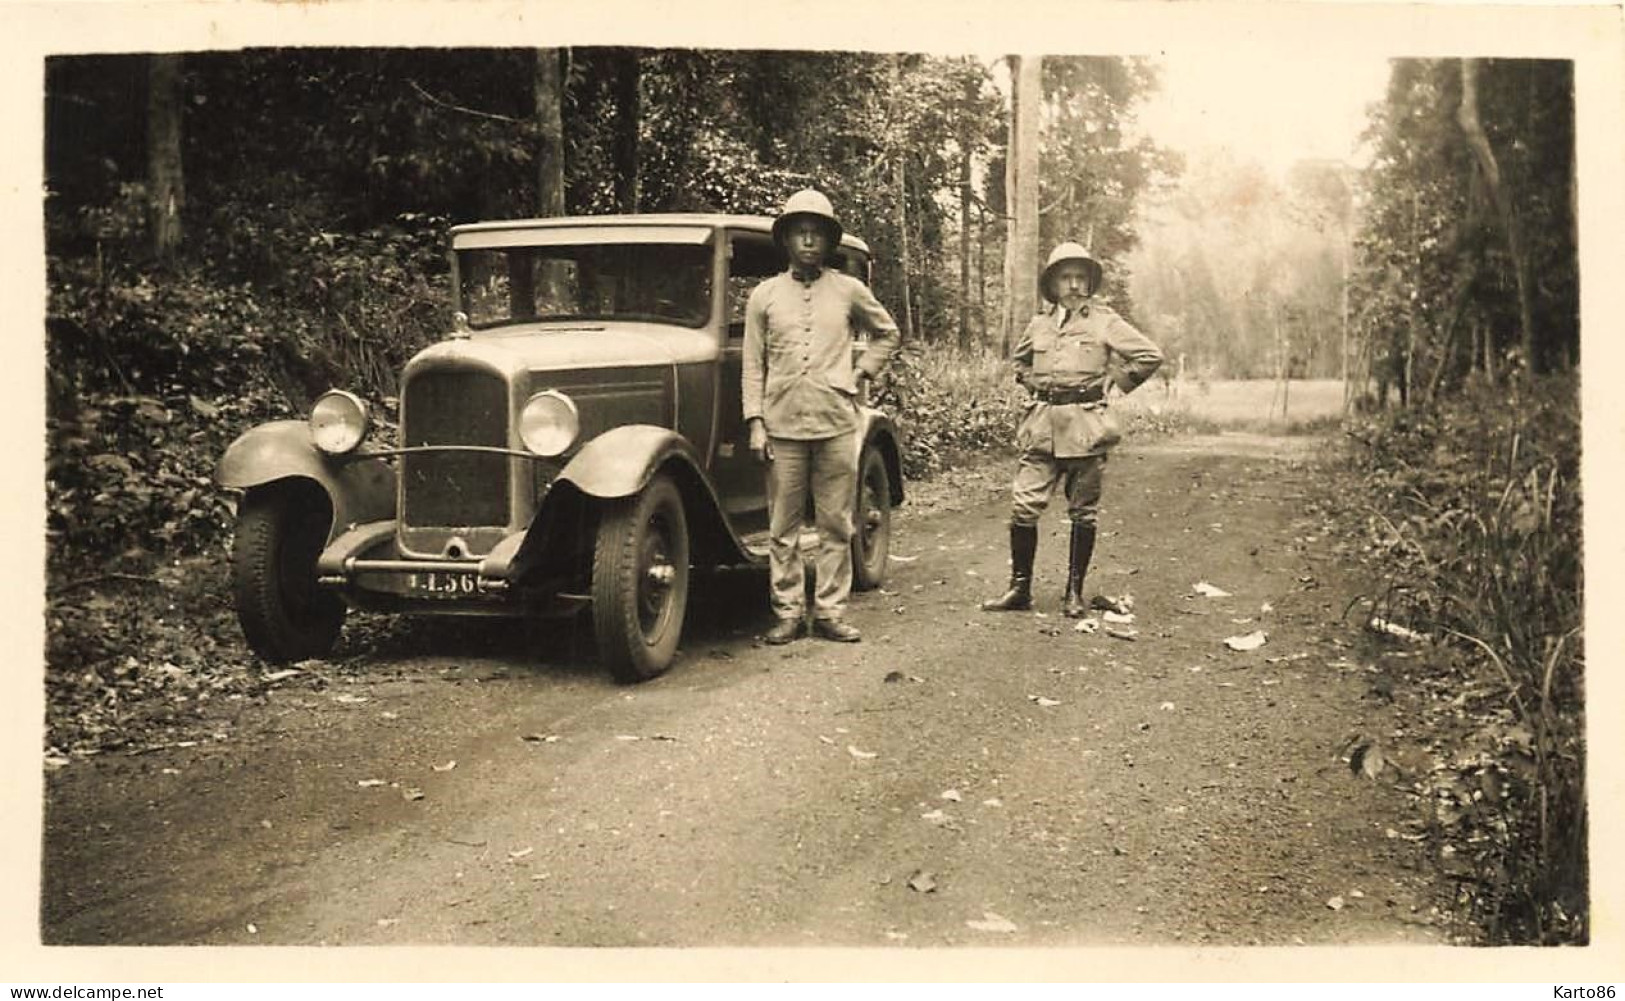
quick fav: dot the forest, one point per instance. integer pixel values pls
(231, 233)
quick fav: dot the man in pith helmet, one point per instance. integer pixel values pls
(1067, 357)
(800, 393)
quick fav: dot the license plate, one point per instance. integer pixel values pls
(445, 584)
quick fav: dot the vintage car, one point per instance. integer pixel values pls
(576, 442)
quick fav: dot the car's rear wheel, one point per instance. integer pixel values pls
(640, 578)
(284, 614)
(871, 535)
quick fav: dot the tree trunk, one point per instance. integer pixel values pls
(981, 276)
(166, 181)
(1021, 195)
(1479, 143)
(549, 133)
(964, 241)
(628, 115)
(902, 236)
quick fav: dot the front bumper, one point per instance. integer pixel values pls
(366, 566)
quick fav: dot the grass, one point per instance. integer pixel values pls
(1310, 405)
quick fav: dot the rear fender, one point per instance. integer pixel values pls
(361, 488)
(876, 430)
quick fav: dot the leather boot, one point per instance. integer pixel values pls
(1023, 546)
(1079, 553)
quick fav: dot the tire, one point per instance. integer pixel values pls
(640, 578)
(284, 614)
(871, 516)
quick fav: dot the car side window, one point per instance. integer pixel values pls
(752, 259)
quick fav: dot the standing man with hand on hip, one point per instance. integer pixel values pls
(800, 394)
(1066, 357)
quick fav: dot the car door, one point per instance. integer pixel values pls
(752, 257)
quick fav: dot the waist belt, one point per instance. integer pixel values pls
(1062, 397)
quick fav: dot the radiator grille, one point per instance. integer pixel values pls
(463, 489)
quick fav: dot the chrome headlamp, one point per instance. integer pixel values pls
(338, 421)
(549, 423)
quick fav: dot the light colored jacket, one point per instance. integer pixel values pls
(797, 372)
(1081, 353)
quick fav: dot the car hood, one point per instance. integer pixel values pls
(555, 346)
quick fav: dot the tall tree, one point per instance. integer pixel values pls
(1021, 194)
(628, 122)
(1479, 143)
(549, 89)
(166, 179)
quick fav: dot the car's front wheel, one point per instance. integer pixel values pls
(640, 578)
(285, 615)
(871, 535)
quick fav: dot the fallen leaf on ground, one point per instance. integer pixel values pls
(351, 700)
(892, 676)
(540, 738)
(951, 795)
(934, 817)
(283, 675)
(1119, 618)
(993, 801)
(1207, 590)
(521, 853)
(1043, 700)
(922, 882)
(371, 783)
(386, 922)
(1123, 633)
(901, 559)
(1167, 707)
(861, 754)
(1265, 608)
(1336, 903)
(1251, 641)
(627, 736)
(411, 795)
(826, 740)
(1087, 626)
(448, 766)
(992, 922)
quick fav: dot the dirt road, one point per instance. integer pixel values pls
(959, 778)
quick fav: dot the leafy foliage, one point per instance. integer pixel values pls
(1474, 509)
(1433, 293)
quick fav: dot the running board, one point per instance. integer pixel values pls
(756, 543)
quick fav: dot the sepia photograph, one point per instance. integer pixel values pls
(1102, 481)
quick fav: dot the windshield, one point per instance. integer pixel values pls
(651, 282)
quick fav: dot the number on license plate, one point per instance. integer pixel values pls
(446, 584)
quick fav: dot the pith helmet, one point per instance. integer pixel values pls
(1070, 252)
(808, 202)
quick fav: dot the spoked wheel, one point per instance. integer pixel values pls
(285, 614)
(640, 579)
(871, 535)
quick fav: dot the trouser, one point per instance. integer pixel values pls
(1036, 476)
(826, 468)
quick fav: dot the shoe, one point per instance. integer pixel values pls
(1019, 596)
(835, 629)
(784, 631)
(1081, 550)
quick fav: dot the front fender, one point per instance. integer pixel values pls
(360, 487)
(619, 462)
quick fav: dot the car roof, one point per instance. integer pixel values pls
(753, 223)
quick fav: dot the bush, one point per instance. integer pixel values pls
(1474, 509)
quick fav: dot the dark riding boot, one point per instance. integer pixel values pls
(1023, 546)
(1077, 566)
